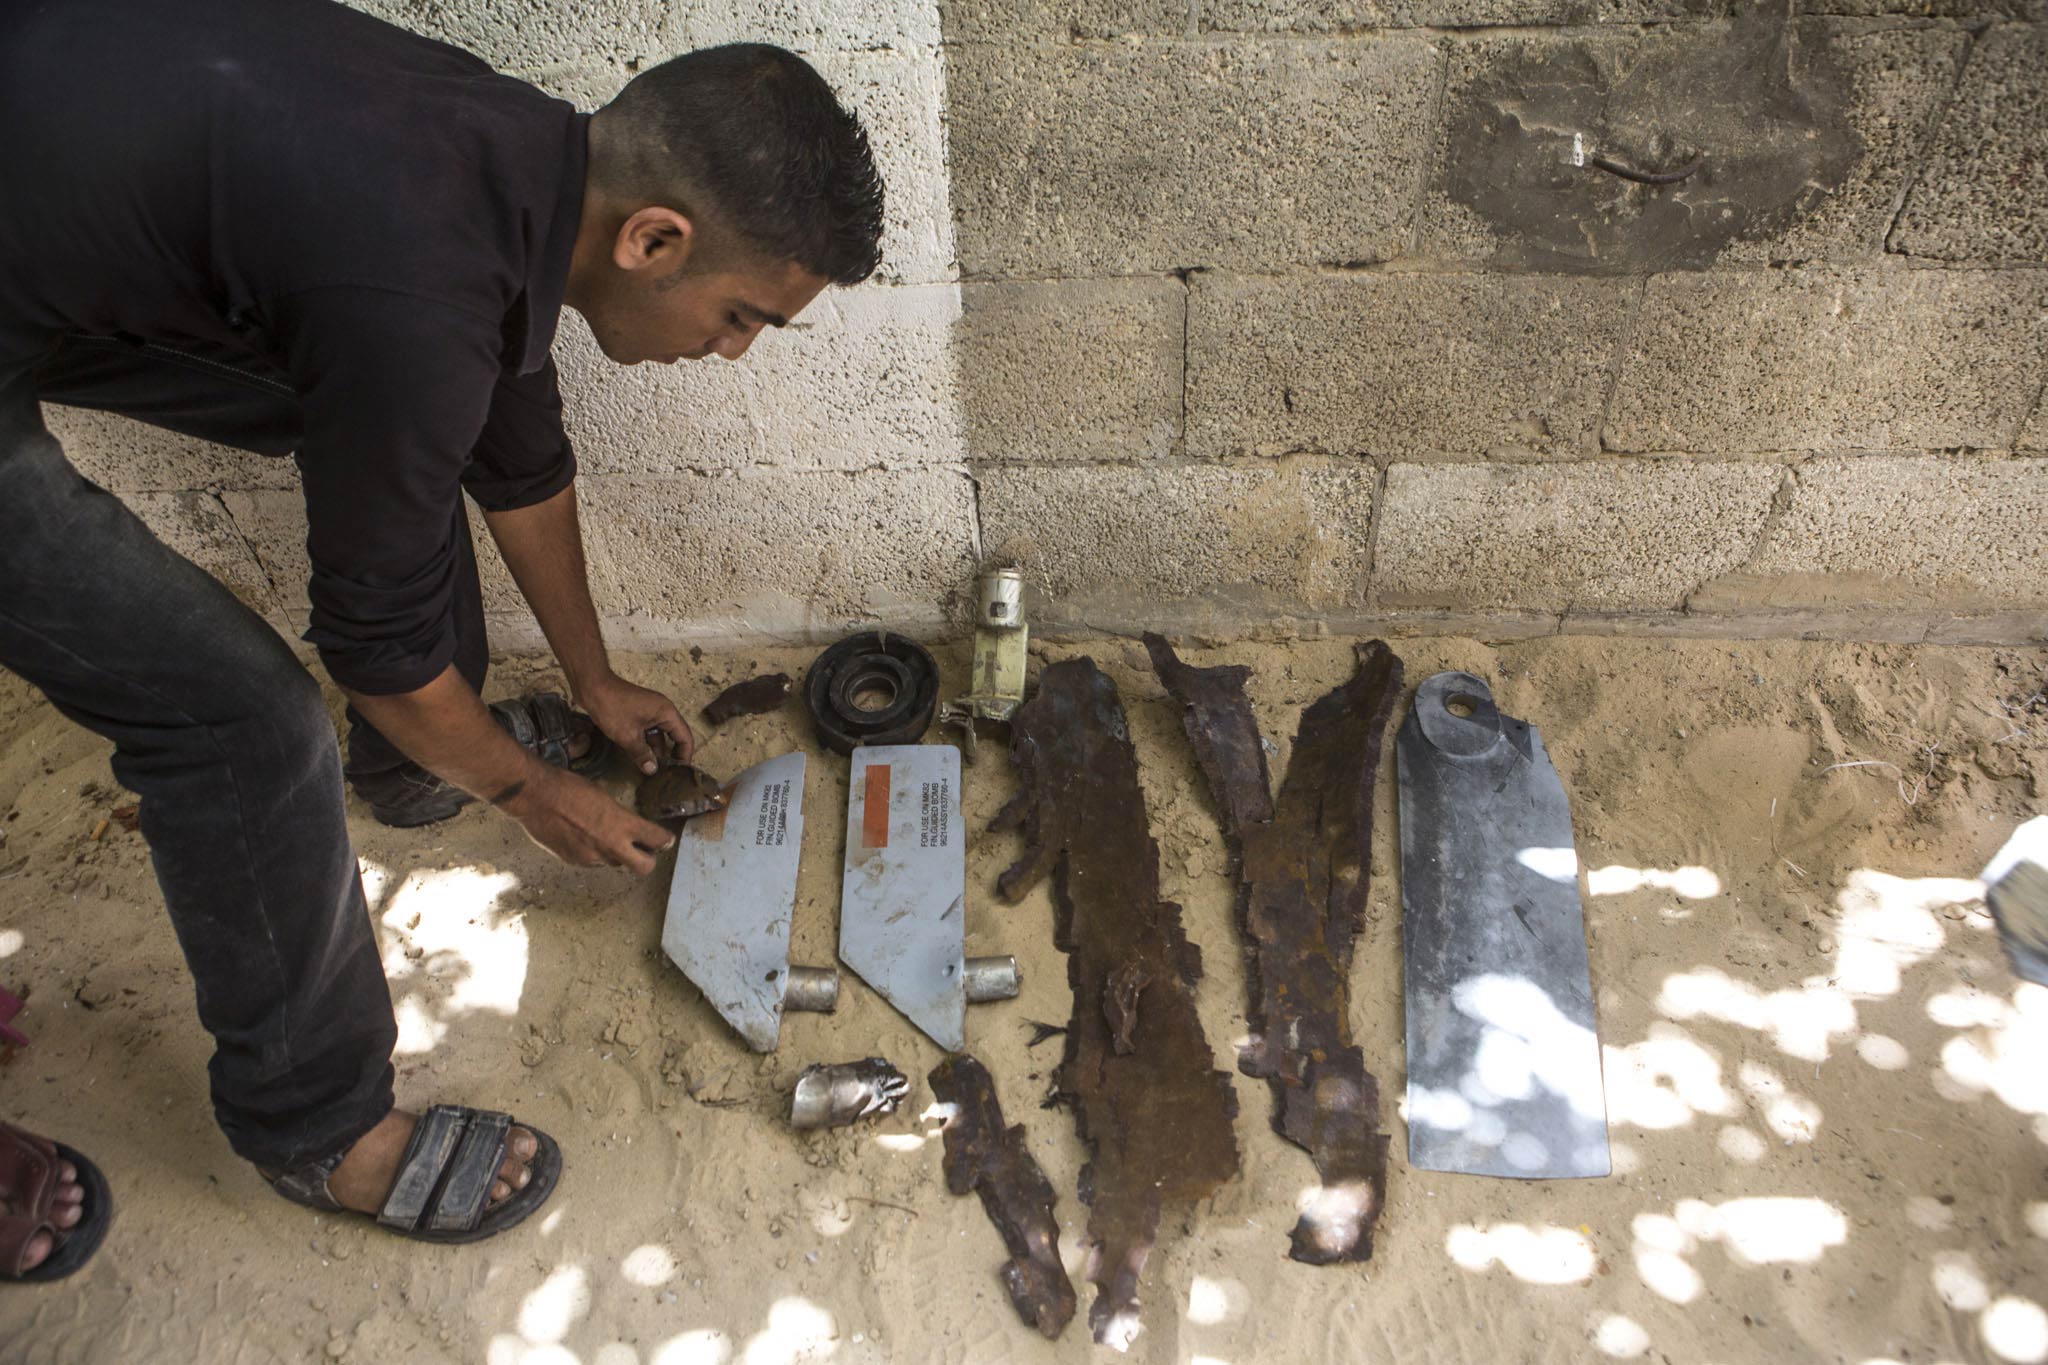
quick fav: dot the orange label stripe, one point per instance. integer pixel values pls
(874, 815)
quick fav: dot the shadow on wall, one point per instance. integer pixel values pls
(1557, 143)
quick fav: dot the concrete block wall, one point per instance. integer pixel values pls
(1278, 316)
(1480, 386)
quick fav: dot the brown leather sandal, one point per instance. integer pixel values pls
(30, 1169)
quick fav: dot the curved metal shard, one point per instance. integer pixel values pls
(1302, 866)
(1156, 1117)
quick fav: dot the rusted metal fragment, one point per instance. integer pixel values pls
(1302, 867)
(754, 697)
(677, 791)
(1156, 1119)
(984, 1156)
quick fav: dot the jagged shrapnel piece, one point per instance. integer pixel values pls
(1302, 868)
(985, 1156)
(754, 697)
(1156, 1119)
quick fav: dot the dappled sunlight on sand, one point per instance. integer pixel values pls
(1801, 1021)
(1539, 1255)
(648, 1266)
(1620, 1337)
(1693, 883)
(2004, 1050)
(1665, 1079)
(1766, 1231)
(11, 942)
(2016, 1329)
(450, 951)
(796, 1329)
(1212, 1300)
(704, 1346)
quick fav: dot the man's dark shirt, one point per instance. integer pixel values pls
(379, 219)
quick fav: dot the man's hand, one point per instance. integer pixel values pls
(626, 712)
(445, 729)
(543, 547)
(577, 822)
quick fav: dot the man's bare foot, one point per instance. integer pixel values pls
(70, 1208)
(364, 1178)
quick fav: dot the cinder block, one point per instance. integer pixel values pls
(901, 100)
(1611, 535)
(1832, 360)
(1956, 533)
(273, 524)
(198, 527)
(807, 26)
(528, 40)
(126, 456)
(1897, 82)
(1133, 159)
(982, 21)
(2034, 435)
(866, 376)
(1110, 546)
(1072, 369)
(1804, 135)
(780, 552)
(1348, 16)
(1401, 363)
(1984, 193)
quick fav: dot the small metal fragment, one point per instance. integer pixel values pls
(988, 1157)
(754, 697)
(845, 1092)
(992, 978)
(1040, 1031)
(677, 791)
(814, 990)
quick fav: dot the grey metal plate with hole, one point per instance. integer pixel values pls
(1503, 1054)
(733, 894)
(902, 922)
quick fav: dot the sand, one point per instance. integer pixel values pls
(1828, 1095)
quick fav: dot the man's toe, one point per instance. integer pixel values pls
(68, 1215)
(39, 1247)
(513, 1174)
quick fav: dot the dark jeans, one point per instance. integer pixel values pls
(222, 733)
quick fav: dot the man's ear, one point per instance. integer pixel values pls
(656, 239)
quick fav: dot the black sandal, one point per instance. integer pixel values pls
(545, 724)
(28, 1184)
(443, 1189)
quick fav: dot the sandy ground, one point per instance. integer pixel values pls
(1829, 1097)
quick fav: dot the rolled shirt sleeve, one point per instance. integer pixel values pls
(397, 393)
(523, 455)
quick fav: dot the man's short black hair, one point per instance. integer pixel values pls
(752, 137)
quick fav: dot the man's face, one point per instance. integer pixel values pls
(663, 302)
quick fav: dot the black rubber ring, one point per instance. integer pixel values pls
(860, 661)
